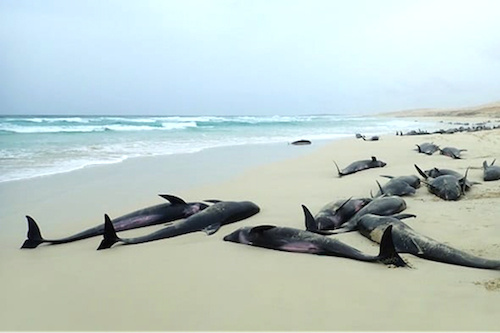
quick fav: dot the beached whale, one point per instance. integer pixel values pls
(383, 205)
(301, 241)
(301, 142)
(491, 172)
(412, 180)
(371, 138)
(436, 172)
(175, 209)
(360, 165)
(427, 148)
(407, 240)
(395, 186)
(209, 221)
(447, 187)
(451, 152)
(334, 214)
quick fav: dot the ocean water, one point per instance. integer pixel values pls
(32, 146)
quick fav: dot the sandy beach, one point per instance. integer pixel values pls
(198, 282)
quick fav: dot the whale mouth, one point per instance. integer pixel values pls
(236, 237)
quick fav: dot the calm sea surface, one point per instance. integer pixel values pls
(32, 146)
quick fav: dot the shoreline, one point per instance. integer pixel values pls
(152, 175)
(160, 285)
(132, 159)
(91, 152)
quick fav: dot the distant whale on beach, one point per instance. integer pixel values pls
(445, 186)
(491, 172)
(209, 221)
(176, 209)
(452, 152)
(360, 165)
(395, 186)
(301, 142)
(427, 148)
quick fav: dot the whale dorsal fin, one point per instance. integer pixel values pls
(374, 158)
(212, 229)
(213, 200)
(261, 228)
(172, 199)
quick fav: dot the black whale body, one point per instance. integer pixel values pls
(175, 209)
(407, 240)
(209, 221)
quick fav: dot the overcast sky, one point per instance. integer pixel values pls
(246, 57)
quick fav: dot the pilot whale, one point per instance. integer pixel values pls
(359, 166)
(302, 241)
(334, 214)
(407, 240)
(491, 172)
(175, 209)
(382, 205)
(209, 221)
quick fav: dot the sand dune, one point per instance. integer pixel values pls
(485, 111)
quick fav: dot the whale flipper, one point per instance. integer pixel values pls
(110, 236)
(212, 229)
(34, 235)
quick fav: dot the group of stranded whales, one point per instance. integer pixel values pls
(377, 218)
(430, 148)
(209, 220)
(181, 218)
(175, 209)
(465, 127)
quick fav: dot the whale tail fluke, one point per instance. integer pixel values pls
(388, 254)
(423, 174)
(110, 236)
(34, 235)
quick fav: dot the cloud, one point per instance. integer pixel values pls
(245, 57)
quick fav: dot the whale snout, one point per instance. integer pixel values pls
(232, 237)
(238, 236)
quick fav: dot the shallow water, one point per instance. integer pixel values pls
(32, 146)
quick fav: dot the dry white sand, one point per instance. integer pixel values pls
(199, 282)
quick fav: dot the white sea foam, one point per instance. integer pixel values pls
(33, 146)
